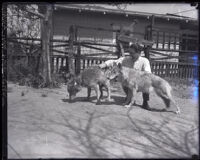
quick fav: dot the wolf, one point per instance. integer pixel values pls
(93, 78)
(141, 81)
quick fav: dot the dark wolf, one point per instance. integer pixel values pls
(141, 81)
(92, 78)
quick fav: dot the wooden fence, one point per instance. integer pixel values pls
(82, 61)
(182, 43)
(162, 69)
(174, 69)
(174, 40)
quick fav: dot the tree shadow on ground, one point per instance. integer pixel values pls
(88, 145)
(89, 138)
(163, 140)
(92, 137)
(169, 137)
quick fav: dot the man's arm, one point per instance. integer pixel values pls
(146, 65)
(109, 63)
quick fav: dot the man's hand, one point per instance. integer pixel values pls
(102, 65)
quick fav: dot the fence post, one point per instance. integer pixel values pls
(120, 48)
(66, 64)
(78, 60)
(71, 49)
(151, 27)
(148, 36)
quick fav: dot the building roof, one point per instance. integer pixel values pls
(92, 8)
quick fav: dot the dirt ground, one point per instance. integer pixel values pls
(43, 124)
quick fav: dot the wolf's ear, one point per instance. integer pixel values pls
(69, 76)
(119, 65)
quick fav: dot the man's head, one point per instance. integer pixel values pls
(135, 51)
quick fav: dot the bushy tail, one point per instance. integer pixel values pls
(163, 89)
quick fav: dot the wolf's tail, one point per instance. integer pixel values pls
(163, 90)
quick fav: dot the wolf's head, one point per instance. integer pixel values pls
(117, 70)
(121, 71)
(73, 86)
(111, 72)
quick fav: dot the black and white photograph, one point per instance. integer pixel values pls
(100, 80)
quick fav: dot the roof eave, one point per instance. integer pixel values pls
(57, 6)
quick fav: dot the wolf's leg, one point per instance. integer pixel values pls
(167, 93)
(128, 97)
(107, 85)
(166, 101)
(96, 88)
(88, 94)
(128, 93)
(101, 91)
(167, 98)
(145, 100)
(125, 90)
(162, 92)
(134, 91)
(178, 111)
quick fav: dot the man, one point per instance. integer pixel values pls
(133, 61)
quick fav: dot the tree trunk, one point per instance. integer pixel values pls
(46, 29)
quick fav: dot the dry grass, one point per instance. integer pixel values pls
(184, 88)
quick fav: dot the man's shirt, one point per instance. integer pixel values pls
(141, 63)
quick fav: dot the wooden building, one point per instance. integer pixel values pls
(66, 15)
(175, 37)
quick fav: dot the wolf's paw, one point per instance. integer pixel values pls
(101, 97)
(98, 102)
(127, 106)
(125, 103)
(107, 99)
